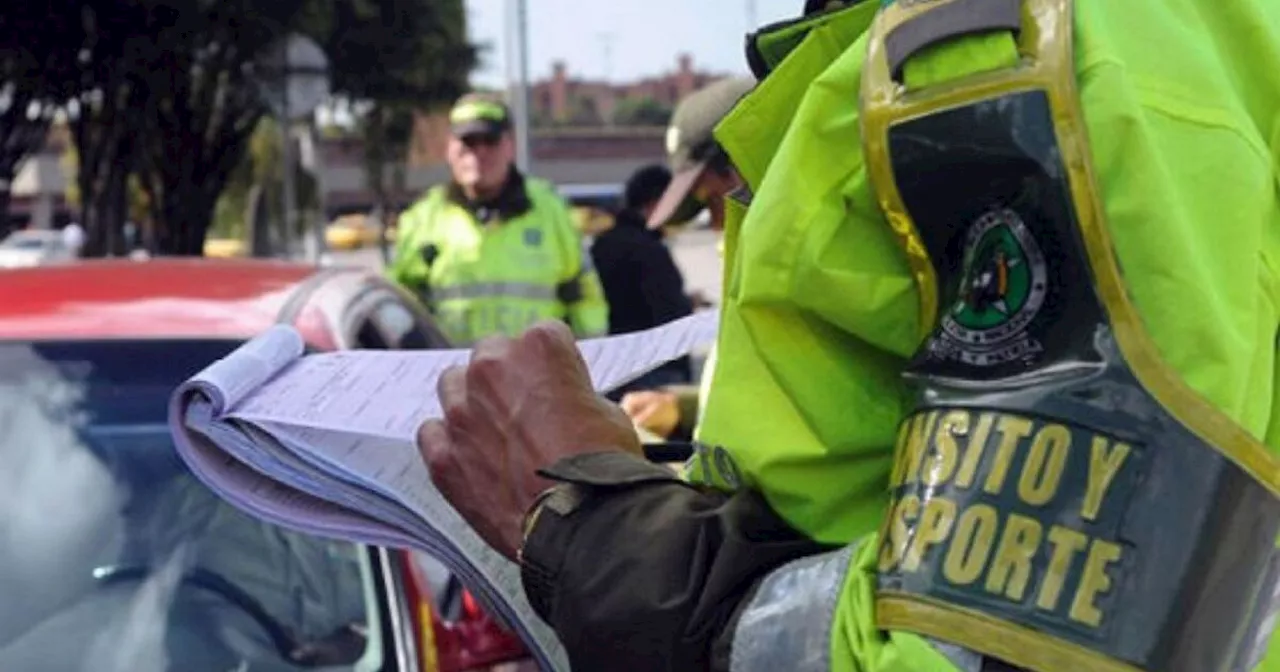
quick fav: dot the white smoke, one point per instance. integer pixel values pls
(60, 517)
(134, 642)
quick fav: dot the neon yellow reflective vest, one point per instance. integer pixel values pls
(500, 277)
(820, 311)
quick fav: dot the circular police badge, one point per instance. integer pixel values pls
(1000, 293)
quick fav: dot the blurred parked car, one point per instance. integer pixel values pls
(113, 556)
(33, 247)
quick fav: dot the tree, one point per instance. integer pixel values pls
(38, 40)
(394, 54)
(138, 205)
(166, 91)
(259, 172)
(584, 112)
(641, 111)
(396, 51)
(203, 107)
(398, 57)
(105, 122)
(386, 129)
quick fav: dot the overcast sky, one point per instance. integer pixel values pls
(623, 39)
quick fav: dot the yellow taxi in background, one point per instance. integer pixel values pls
(225, 248)
(350, 232)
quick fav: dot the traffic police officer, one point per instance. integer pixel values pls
(996, 376)
(494, 251)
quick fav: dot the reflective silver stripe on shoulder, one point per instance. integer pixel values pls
(964, 659)
(787, 624)
(588, 264)
(1263, 623)
(488, 290)
(742, 194)
(946, 21)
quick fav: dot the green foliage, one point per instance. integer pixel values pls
(261, 167)
(165, 96)
(641, 111)
(399, 51)
(37, 74)
(584, 112)
(139, 203)
(402, 56)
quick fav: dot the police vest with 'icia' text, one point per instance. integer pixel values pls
(1061, 500)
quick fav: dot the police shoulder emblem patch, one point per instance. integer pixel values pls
(532, 237)
(1002, 289)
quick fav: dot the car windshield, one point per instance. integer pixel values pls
(114, 557)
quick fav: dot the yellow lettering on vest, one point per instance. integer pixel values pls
(1066, 542)
(1094, 581)
(918, 443)
(935, 524)
(972, 544)
(1011, 430)
(942, 460)
(1042, 472)
(904, 514)
(1011, 569)
(901, 455)
(882, 535)
(1104, 463)
(974, 450)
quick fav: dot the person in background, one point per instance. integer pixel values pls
(640, 278)
(494, 251)
(73, 238)
(704, 178)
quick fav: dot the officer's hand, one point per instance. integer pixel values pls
(653, 410)
(520, 405)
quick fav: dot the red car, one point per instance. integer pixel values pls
(111, 551)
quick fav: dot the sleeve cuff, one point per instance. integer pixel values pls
(546, 543)
(549, 527)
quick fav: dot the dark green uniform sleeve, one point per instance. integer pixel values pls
(638, 570)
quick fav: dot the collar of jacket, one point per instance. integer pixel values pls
(510, 203)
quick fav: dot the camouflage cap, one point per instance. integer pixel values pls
(691, 144)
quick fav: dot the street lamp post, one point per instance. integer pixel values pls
(296, 71)
(288, 190)
(518, 77)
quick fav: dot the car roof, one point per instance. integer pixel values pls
(47, 234)
(158, 298)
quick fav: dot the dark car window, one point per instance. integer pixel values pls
(369, 337)
(114, 557)
(400, 325)
(392, 326)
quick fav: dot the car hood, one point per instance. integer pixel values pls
(20, 258)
